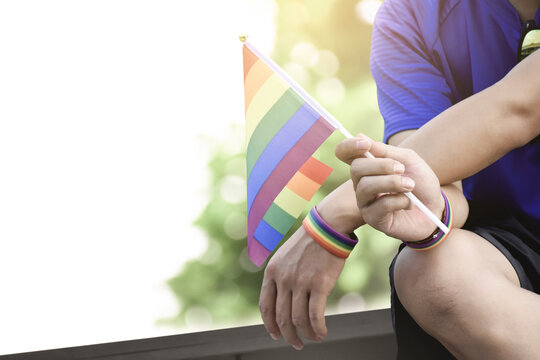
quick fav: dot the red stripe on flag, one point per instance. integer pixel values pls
(249, 59)
(316, 170)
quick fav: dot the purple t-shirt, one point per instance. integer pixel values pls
(430, 54)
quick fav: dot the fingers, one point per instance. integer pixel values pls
(351, 149)
(386, 204)
(300, 315)
(283, 318)
(381, 150)
(367, 167)
(317, 304)
(267, 306)
(369, 188)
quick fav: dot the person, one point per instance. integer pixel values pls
(461, 116)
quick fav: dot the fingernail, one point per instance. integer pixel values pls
(407, 183)
(361, 144)
(274, 336)
(399, 168)
(298, 346)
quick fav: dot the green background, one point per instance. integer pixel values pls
(223, 280)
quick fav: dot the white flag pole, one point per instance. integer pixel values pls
(304, 95)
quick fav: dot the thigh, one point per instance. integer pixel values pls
(463, 268)
(458, 291)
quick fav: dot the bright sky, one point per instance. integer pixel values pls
(102, 169)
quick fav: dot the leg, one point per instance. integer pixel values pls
(466, 294)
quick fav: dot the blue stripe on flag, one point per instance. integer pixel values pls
(267, 235)
(280, 145)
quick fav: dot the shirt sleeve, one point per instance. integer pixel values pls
(411, 89)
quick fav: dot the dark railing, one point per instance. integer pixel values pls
(360, 336)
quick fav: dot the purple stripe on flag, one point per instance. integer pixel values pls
(281, 175)
(284, 140)
(257, 253)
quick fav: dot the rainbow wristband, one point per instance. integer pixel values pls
(327, 237)
(438, 237)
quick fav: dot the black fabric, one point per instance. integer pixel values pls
(508, 234)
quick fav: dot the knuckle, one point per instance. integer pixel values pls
(315, 317)
(265, 310)
(355, 168)
(287, 280)
(297, 321)
(270, 270)
(282, 321)
(363, 183)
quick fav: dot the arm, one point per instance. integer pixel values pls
(506, 116)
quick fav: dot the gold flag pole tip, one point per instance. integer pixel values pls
(243, 37)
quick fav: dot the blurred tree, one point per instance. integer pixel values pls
(325, 46)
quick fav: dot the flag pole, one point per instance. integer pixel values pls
(333, 121)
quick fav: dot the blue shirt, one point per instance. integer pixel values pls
(430, 54)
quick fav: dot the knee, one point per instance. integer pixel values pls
(429, 284)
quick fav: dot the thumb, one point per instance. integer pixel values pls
(381, 150)
(350, 149)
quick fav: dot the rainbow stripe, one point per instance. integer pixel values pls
(282, 131)
(440, 236)
(327, 237)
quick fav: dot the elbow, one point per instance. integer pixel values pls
(524, 116)
(520, 95)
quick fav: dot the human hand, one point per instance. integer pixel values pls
(380, 184)
(296, 284)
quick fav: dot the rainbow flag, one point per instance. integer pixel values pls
(283, 131)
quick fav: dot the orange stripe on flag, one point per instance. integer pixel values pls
(255, 78)
(249, 59)
(316, 170)
(303, 186)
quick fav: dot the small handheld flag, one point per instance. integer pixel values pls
(283, 131)
(284, 127)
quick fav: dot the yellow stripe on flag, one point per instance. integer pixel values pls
(263, 101)
(256, 77)
(290, 202)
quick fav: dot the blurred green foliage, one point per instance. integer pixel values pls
(311, 36)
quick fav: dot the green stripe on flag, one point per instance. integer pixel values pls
(286, 106)
(280, 220)
(290, 202)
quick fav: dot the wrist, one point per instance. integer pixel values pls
(438, 236)
(327, 237)
(340, 216)
(438, 209)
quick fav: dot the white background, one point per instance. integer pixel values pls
(102, 166)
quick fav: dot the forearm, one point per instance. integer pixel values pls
(479, 130)
(339, 209)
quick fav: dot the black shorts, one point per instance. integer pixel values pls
(515, 240)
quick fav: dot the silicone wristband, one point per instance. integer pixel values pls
(439, 236)
(334, 242)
